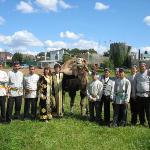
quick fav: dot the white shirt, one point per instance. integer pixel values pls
(15, 83)
(95, 88)
(131, 79)
(108, 86)
(3, 82)
(142, 84)
(122, 91)
(30, 85)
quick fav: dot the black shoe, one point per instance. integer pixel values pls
(115, 125)
(91, 119)
(26, 118)
(8, 122)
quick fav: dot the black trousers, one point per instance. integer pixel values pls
(120, 109)
(33, 103)
(133, 108)
(11, 100)
(2, 105)
(106, 101)
(94, 106)
(143, 104)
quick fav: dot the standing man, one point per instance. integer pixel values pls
(15, 92)
(122, 92)
(142, 91)
(133, 102)
(108, 91)
(57, 89)
(30, 89)
(94, 94)
(3, 91)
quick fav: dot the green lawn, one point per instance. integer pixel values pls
(71, 132)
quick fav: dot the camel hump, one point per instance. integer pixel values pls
(72, 66)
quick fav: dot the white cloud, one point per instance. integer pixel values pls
(147, 20)
(1, 50)
(30, 52)
(70, 35)
(147, 48)
(101, 6)
(49, 5)
(53, 5)
(2, 20)
(25, 7)
(81, 44)
(56, 44)
(86, 44)
(64, 5)
(21, 39)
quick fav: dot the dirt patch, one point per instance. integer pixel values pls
(26, 71)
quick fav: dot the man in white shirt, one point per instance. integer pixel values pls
(30, 90)
(107, 97)
(15, 93)
(142, 93)
(94, 94)
(133, 102)
(3, 92)
(122, 91)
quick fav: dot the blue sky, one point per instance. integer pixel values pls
(33, 25)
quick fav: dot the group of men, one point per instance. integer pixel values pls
(103, 90)
(14, 86)
(120, 90)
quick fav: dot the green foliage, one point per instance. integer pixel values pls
(106, 54)
(108, 63)
(17, 57)
(66, 57)
(119, 54)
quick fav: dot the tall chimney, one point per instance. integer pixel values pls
(139, 54)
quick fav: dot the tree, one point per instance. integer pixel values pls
(17, 57)
(119, 54)
(92, 51)
(146, 52)
(66, 57)
(106, 54)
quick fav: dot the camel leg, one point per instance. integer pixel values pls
(72, 95)
(82, 104)
(63, 101)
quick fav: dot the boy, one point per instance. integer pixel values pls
(94, 93)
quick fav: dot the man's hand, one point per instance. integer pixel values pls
(126, 104)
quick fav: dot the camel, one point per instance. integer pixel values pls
(75, 79)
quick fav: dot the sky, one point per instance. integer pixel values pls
(32, 26)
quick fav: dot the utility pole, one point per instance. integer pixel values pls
(5, 58)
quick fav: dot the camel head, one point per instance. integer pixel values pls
(74, 66)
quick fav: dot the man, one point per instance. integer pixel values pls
(115, 80)
(94, 94)
(142, 91)
(15, 92)
(122, 92)
(108, 91)
(57, 89)
(133, 102)
(30, 89)
(3, 92)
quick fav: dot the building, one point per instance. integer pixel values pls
(145, 56)
(93, 58)
(53, 55)
(50, 58)
(5, 56)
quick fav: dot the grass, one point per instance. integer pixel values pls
(71, 132)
